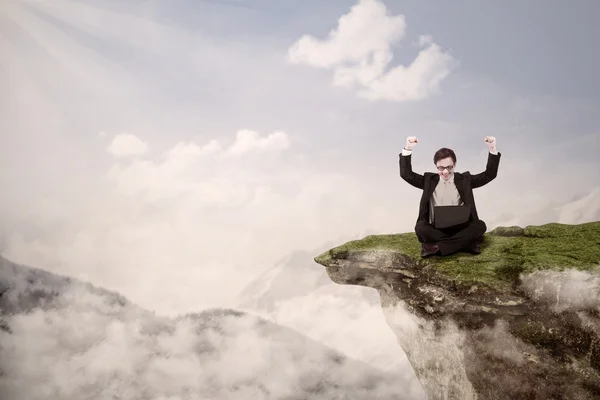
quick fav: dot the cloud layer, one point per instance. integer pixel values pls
(571, 290)
(185, 170)
(191, 216)
(87, 343)
(359, 52)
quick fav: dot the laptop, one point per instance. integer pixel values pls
(449, 216)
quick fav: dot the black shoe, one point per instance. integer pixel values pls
(475, 249)
(429, 249)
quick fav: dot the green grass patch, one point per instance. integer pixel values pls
(506, 252)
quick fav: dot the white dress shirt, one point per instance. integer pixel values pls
(445, 194)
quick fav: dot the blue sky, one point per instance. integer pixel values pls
(182, 133)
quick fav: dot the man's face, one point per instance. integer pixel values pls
(445, 168)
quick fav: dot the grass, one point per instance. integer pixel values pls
(506, 252)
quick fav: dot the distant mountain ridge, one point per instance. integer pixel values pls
(295, 275)
(67, 339)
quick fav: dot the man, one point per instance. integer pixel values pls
(448, 188)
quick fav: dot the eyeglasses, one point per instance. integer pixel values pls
(449, 168)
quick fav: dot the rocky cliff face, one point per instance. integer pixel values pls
(521, 320)
(65, 339)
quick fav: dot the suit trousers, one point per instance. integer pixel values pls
(453, 239)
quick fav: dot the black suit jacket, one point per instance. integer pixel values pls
(465, 183)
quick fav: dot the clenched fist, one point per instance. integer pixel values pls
(491, 142)
(411, 142)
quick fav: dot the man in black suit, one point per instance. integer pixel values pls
(448, 188)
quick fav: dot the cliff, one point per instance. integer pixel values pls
(521, 320)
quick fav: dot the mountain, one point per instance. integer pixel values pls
(585, 208)
(61, 338)
(295, 275)
(521, 320)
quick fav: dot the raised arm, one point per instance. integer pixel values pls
(406, 171)
(491, 169)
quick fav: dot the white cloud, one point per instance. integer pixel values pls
(359, 51)
(203, 172)
(247, 140)
(416, 82)
(126, 144)
(365, 30)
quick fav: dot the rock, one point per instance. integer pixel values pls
(508, 231)
(521, 320)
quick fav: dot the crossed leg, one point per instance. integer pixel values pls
(451, 240)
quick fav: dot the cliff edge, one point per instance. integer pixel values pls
(521, 320)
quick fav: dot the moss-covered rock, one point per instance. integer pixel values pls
(521, 320)
(508, 231)
(505, 253)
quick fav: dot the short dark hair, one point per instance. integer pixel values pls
(442, 153)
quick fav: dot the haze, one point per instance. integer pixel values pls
(174, 151)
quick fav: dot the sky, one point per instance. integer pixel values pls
(174, 151)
